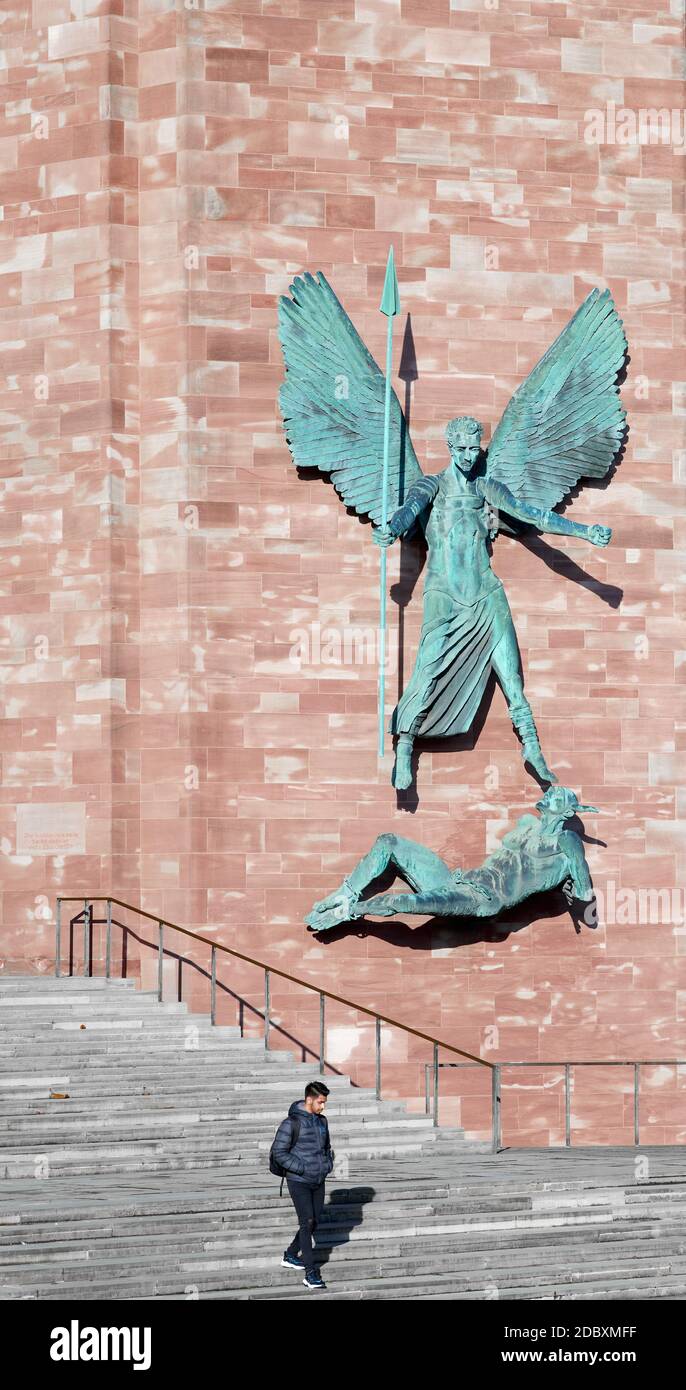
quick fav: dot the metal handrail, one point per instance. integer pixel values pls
(109, 921)
(566, 1067)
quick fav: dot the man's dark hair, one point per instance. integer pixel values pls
(316, 1088)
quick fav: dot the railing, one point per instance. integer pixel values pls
(109, 921)
(567, 1068)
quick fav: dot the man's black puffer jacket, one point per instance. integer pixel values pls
(310, 1160)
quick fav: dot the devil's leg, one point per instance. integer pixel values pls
(450, 902)
(420, 867)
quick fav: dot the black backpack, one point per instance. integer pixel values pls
(274, 1165)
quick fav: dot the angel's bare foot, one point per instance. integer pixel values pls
(531, 753)
(402, 769)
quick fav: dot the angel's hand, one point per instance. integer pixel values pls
(599, 535)
(383, 538)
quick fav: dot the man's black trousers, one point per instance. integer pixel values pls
(308, 1203)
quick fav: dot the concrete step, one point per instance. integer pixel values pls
(88, 1045)
(38, 1006)
(25, 984)
(249, 1239)
(207, 1272)
(254, 1189)
(112, 1059)
(249, 1081)
(121, 1062)
(69, 1036)
(255, 1247)
(262, 1205)
(220, 1129)
(193, 1146)
(249, 1132)
(442, 1286)
(388, 1215)
(377, 1278)
(245, 1105)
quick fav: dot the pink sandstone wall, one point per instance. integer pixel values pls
(166, 173)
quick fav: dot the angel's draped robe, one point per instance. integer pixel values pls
(458, 638)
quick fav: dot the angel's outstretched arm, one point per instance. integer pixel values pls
(499, 495)
(420, 495)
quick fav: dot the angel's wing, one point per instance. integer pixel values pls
(566, 421)
(332, 401)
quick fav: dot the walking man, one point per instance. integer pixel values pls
(303, 1148)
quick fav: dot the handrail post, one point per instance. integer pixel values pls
(435, 1084)
(378, 1058)
(86, 919)
(267, 1006)
(108, 940)
(427, 1103)
(568, 1107)
(213, 987)
(179, 989)
(637, 1066)
(322, 1031)
(495, 1108)
(58, 936)
(160, 961)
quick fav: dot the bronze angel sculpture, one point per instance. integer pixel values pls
(564, 423)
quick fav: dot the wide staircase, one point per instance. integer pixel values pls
(133, 1165)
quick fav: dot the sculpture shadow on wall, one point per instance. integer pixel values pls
(412, 552)
(559, 561)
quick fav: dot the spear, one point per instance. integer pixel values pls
(390, 306)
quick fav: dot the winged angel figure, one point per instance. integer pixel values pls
(564, 423)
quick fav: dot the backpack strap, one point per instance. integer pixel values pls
(295, 1129)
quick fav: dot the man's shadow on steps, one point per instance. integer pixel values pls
(340, 1215)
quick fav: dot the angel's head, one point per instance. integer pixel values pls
(464, 441)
